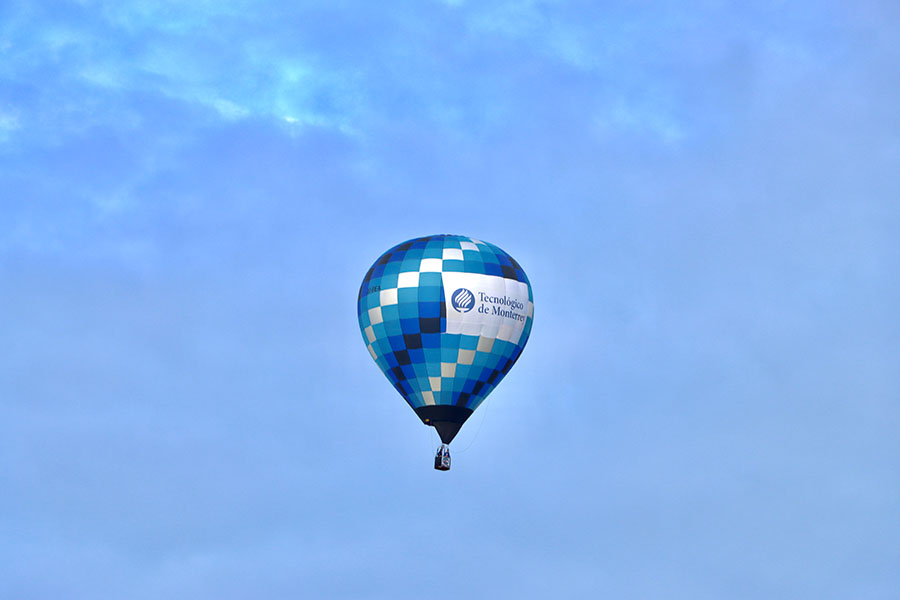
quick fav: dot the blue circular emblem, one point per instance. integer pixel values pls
(462, 300)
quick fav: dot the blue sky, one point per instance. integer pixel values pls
(703, 194)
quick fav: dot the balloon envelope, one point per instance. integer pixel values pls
(445, 317)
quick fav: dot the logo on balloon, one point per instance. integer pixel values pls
(462, 300)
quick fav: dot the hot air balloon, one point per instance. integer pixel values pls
(445, 317)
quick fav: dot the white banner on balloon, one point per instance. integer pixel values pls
(486, 305)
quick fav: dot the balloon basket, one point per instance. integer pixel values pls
(442, 458)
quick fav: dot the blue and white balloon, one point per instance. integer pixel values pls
(445, 317)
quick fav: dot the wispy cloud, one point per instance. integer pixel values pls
(98, 58)
(9, 122)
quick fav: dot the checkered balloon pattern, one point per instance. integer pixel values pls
(433, 358)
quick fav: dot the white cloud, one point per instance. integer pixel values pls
(228, 109)
(640, 119)
(509, 18)
(9, 123)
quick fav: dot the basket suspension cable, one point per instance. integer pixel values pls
(477, 431)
